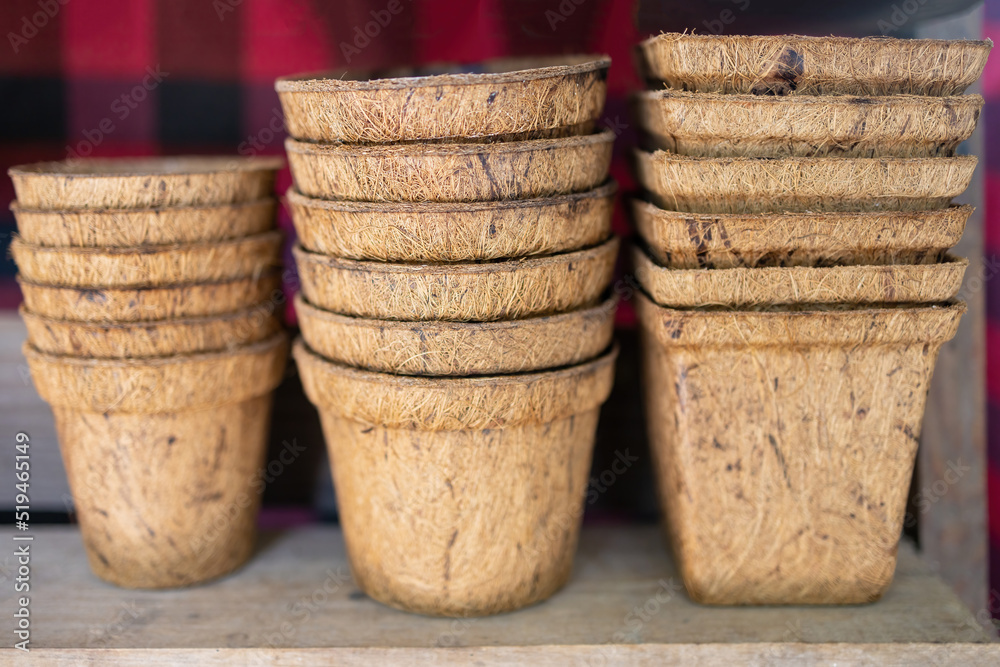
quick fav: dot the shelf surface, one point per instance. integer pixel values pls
(295, 603)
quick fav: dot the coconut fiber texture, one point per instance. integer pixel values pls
(149, 304)
(143, 182)
(784, 444)
(459, 496)
(459, 348)
(152, 339)
(451, 172)
(728, 240)
(139, 227)
(766, 185)
(854, 285)
(443, 232)
(159, 385)
(796, 65)
(708, 125)
(162, 457)
(147, 266)
(502, 290)
(527, 97)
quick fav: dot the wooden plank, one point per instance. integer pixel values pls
(296, 602)
(950, 495)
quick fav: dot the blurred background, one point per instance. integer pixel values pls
(83, 78)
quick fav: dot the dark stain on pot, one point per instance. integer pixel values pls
(781, 459)
(783, 76)
(493, 229)
(368, 430)
(101, 557)
(491, 98)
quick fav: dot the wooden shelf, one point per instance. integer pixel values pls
(296, 604)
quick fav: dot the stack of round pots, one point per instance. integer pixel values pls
(150, 292)
(796, 288)
(455, 254)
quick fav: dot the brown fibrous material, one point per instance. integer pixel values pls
(856, 285)
(162, 457)
(728, 240)
(424, 469)
(710, 125)
(784, 443)
(102, 183)
(427, 172)
(459, 348)
(159, 384)
(468, 292)
(768, 185)
(504, 98)
(147, 266)
(93, 228)
(152, 339)
(797, 65)
(147, 304)
(450, 232)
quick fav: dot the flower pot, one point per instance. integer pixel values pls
(509, 98)
(710, 125)
(450, 232)
(147, 266)
(459, 496)
(151, 182)
(797, 65)
(429, 172)
(728, 240)
(163, 457)
(796, 285)
(161, 338)
(141, 227)
(471, 292)
(784, 444)
(816, 184)
(459, 348)
(149, 304)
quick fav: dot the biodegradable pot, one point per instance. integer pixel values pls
(448, 232)
(163, 456)
(149, 304)
(473, 292)
(709, 125)
(817, 184)
(459, 496)
(152, 339)
(459, 348)
(140, 227)
(784, 444)
(151, 182)
(500, 98)
(797, 65)
(728, 240)
(147, 266)
(451, 172)
(792, 285)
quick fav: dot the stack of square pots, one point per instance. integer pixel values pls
(796, 290)
(149, 298)
(455, 253)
